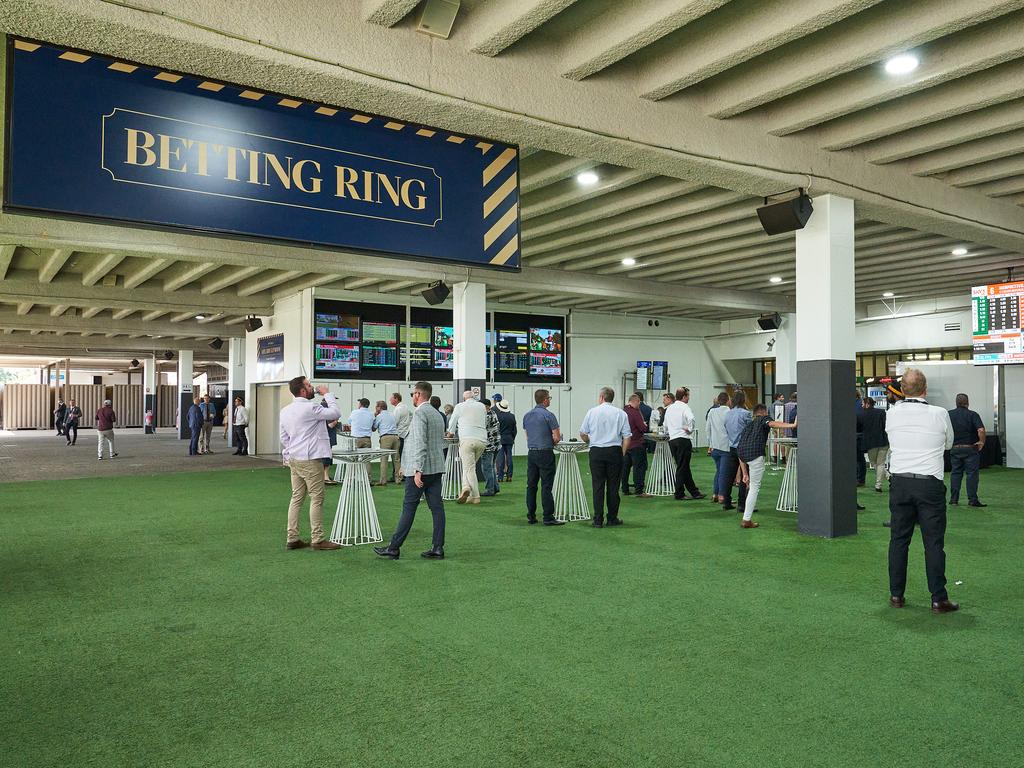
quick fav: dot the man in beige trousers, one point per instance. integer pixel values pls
(469, 422)
(387, 430)
(304, 445)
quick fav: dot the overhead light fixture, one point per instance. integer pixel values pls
(888, 295)
(217, 343)
(200, 317)
(785, 216)
(774, 279)
(959, 251)
(902, 64)
(587, 178)
(628, 262)
(252, 323)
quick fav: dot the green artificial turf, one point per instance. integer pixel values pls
(158, 621)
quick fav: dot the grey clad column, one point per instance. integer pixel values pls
(470, 326)
(184, 392)
(825, 354)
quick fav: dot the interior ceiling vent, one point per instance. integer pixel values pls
(952, 326)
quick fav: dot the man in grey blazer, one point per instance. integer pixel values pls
(422, 467)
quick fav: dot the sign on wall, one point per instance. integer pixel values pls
(96, 137)
(270, 357)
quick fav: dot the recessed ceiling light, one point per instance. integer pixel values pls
(587, 178)
(959, 251)
(888, 295)
(627, 262)
(902, 64)
(774, 279)
(200, 317)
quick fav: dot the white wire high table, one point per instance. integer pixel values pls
(355, 521)
(451, 481)
(661, 477)
(570, 499)
(788, 491)
(345, 443)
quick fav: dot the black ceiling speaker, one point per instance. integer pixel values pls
(252, 323)
(787, 215)
(135, 363)
(168, 355)
(436, 293)
(217, 343)
(770, 322)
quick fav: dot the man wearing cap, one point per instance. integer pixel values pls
(919, 434)
(507, 431)
(105, 420)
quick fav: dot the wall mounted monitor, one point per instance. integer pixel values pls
(380, 333)
(416, 335)
(659, 375)
(380, 357)
(513, 350)
(544, 364)
(444, 336)
(996, 323)
(444, 359)
(421, 358)
(643, 375)
(331, 326)
(336, 358)
(546, 340)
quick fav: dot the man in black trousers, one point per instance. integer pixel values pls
(919, 434)
(606, 429)
(965, 455)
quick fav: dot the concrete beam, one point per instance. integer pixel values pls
(77, 345)
(180, 275)
(546, 168)
(25, 307)
(101, 268)
(154, 315)
(225, 277)
(733, 35)
(492, 27)
(625, 29)
(88, 312)
(30, 321)
(387, 13)
(1001, 188)
(6, 255)
(147, 269)
(568, 193)
(53, 263)
(994, 170)
(865, 39)
(967, 154)
(121, 314)
(264, 282)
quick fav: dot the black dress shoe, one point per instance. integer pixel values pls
(531, 520)
(861, 507)
(699, 495)
(944, 606)
(897, 602)
(613, 521)
(727, 507)
(437, 553)
(887, 523)
(598, 523)
(954, 503)
(554, 522)
(387, 553)
(976, 503)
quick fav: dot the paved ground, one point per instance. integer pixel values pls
(35, 455)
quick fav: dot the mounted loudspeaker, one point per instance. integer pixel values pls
(436, 293)
(770, 322)
(252, 323)
(217, 343)
(786, 216)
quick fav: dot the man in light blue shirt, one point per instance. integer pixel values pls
(361, 424)
(542, 433)
(735, 422)
(607, 430)
(387, 431)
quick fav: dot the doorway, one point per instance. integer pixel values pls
(270, 399)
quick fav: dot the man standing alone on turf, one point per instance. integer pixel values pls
(679, 423)
(919, 434)
(542, 434)
(194, 418)
(422, 466)
(965, 455)
(606, 429)
(304, 446)
(105, 420)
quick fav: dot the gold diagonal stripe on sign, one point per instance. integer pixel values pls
(22, 45)
(78, 58)
(425, 132)
(497, 164)
(292, 103)
(251, 95)
(500, 194)
(120, 66)
(500, 226)
(455, 139)
(326, 111)
(361, 118)
(207, 85)
(483, 146)
(507, 252)
(167, 77)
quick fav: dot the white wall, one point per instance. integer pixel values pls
(1013, 387)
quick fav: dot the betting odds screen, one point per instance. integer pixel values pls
(996, 323)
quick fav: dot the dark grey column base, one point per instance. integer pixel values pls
(827, 478)
(461, 385)
(149, 405)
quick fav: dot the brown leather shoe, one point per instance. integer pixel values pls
(944, 606)
(326, 545)
(297, 544)
(463, 497)
(748, 524)
(897, 602)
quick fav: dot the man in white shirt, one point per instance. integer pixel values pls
(240, 423)
(679, 423)
(403, 421)
(469, 422)
(304, 446)
(919, 434)
(607, 430)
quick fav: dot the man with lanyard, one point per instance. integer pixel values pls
(542, 433)
(965, 455)
(919, 434)
(606, 429)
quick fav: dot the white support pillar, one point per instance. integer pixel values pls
(236, 381)
(184, 392)
(825, 369)
(469, 301)
(785, 356)
(149, 393)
